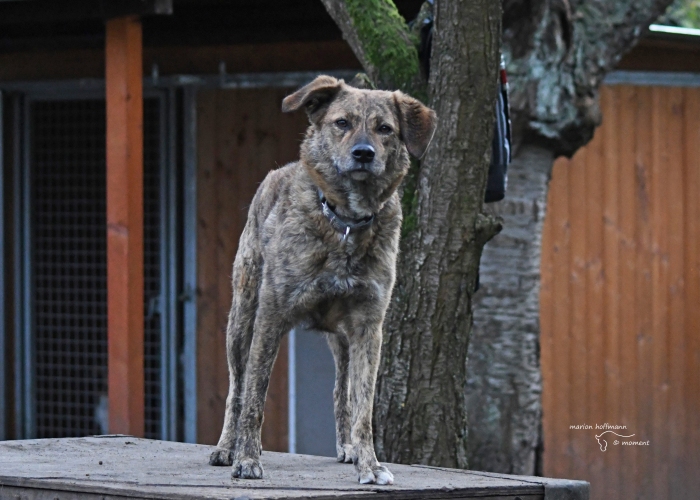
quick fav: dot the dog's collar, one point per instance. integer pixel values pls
(343, 226)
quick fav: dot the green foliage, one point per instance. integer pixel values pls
(392, 49)
(685, 13)
(380, 28)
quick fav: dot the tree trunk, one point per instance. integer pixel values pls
(420, 407)
(504, 383)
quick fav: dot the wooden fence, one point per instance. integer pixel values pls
(620, 300)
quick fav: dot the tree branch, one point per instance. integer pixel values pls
(558, 53)
(486, 226)
(380, 39)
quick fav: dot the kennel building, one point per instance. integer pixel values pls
(212, 77)
(213, 74)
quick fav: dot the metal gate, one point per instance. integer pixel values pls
(61, 264)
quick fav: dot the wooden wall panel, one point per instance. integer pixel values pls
(251, 58)
(242, 135)
(620, 300)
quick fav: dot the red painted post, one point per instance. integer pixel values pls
(124, 88)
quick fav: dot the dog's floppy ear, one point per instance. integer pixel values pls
(314, 97)
(418, 123)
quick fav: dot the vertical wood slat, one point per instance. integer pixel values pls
(211, 364)
(688, 459)
(555, 365)
(643, 282)
(594, 356)
(124, 95)
(628, 248)
(659, 253)
(610, 269)
(637, 312)
(673, 422)
(578, 376)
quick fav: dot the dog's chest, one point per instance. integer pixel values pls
(338, 290)
(343, 274)
(337, 275)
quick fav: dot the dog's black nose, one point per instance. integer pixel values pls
(364, 153)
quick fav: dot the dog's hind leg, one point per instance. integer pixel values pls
(341, 355)
(239, 332)
(270, 327)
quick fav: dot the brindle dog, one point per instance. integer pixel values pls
(319, 251)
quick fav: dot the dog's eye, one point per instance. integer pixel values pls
(385, 129)
(342, 123)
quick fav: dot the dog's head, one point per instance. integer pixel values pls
(359, 139)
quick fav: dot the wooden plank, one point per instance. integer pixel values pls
(658, 189)
(641, 381)
(125, 225)
(689, 453)
(611, 306)
(643, 287)
(593, 323)
(661, 55)
(211, 361)
(658, 251)
(127, 467)
(45, 64)
(674, 424)
(578, 372)
(628, 339)
(227, 221)
(47, 11)
(556, 415)
(251, 58)
(176, 60)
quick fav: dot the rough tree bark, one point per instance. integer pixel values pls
(558, 53)
(420, 407)
(504, 382)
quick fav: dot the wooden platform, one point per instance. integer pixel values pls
(120, 467)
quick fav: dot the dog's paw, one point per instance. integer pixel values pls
(221, 456)
(247, 468)
(377, 474)
(344, 453)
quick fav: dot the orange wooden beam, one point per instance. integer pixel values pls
(123, 61)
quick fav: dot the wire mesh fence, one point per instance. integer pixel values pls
(69, 266)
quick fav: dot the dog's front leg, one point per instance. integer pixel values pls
(267, 334)
(341, 404)
(365, 349)
(239, 334)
